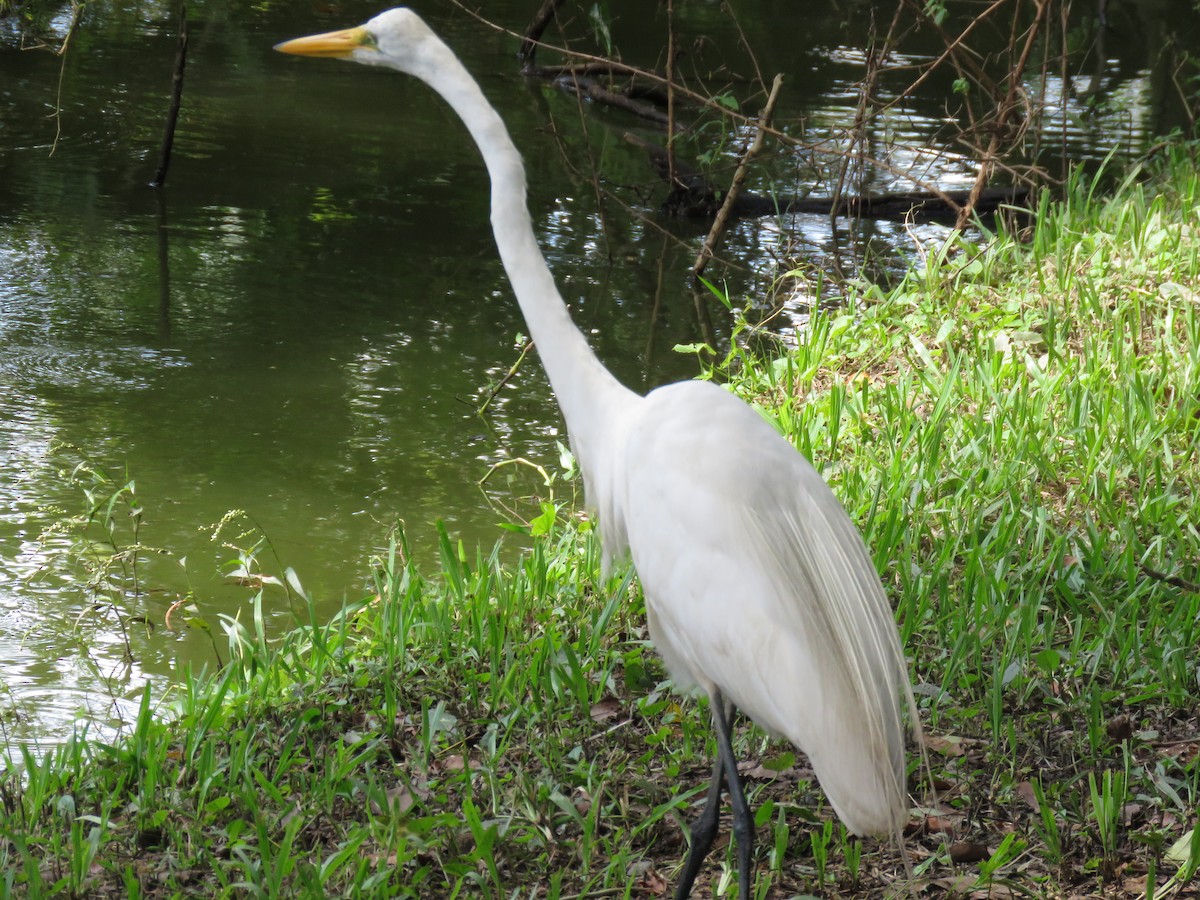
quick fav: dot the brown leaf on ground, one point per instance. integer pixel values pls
(757, 771)
(456, 762)
(401, 798)
(652, 883)
(1183, 752)
(945, 744)
(1135, 885)
(938, 824)
(1025, 792)
(968, 852)
(606, 708)
(955, 885)
(993, 892)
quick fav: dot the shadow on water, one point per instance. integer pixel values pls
(302, 323)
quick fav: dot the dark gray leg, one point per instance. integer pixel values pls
(705, 829)
(743, 822)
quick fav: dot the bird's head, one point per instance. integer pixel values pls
(394, 38)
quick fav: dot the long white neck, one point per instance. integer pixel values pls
(589, 396)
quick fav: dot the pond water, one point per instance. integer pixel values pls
(303, 322)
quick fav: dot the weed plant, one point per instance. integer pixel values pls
(1015, 427)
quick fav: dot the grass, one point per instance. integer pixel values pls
(1016, 429)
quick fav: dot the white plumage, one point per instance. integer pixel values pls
(757, 584)
(758, 587)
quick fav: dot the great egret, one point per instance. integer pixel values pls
(759, 590)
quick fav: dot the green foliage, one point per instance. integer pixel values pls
(1017, 426)
(936, 10)
(600, 18)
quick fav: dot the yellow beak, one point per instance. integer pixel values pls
(336, 44)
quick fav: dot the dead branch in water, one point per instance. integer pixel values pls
(168, 141)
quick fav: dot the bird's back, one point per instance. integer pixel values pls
(757, 583)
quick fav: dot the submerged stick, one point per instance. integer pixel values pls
(533, 34)
(164, 153)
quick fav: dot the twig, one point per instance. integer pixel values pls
(182, 601)
(1002, 117)
(61, 52)
(615, 67)
(858, 131)
(956, 52)
(164, 153)
(606, 732)
(739, 177)
(508, 376)
(952, 47)
(596, 894)
(671, 94)
(516, 461)
(1173, 580)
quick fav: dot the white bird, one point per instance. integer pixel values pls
(759, 590)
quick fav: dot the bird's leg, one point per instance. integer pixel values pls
(743, 822)
(704, 830)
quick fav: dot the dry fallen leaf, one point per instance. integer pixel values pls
(652, 883)
(606, 708)
(945, 744)
(968, 851)
(935, 824)
(955, 885)
(400, 798)
(1135, 885)
(758, 772)
(1025, 792)
(456, 762)
(993, 892)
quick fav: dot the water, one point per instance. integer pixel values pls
(302, 324)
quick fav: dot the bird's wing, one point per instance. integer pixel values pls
(758, 583)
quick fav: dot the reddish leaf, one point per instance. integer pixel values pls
(968, 851)
(1025, 792)
(942, 824)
